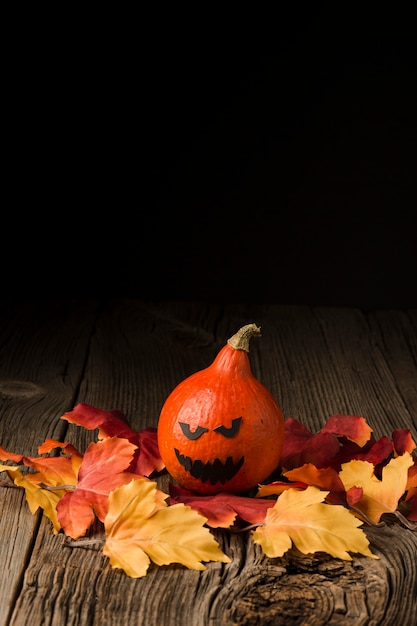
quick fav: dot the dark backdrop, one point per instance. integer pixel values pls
(274, 167)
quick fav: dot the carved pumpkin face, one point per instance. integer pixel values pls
(212, 470)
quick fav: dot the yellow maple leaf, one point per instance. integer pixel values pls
(379, 496)
(140, 527)
(36, 496)
(300, 517)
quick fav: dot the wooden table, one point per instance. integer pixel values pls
(129, 355)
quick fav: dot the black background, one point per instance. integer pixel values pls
(273, 162)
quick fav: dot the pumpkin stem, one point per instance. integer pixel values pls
(240, 340)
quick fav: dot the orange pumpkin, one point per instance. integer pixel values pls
(220, 429)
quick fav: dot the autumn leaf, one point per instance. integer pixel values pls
(58, 470)
(276, 487)
(302, 446)
(379, 496)
(5, 455)
(222, 509)
(411, 485)
(353, 427)
(376, 452)
(324, 478)
(102, 470)
(139, 528)
(301, 518)
(321, 449)
(51, 471)
(403, 441)
(113, 423)
(36, 497)
(411, 491)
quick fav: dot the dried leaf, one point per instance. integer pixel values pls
(325, 478)
(376, 452)
(113, 423)
(301, 518)
(222, 509)
(403, 441)
(36, 497)
(277, 487)
(412, 478)
(379, 496)
(412, 502)
(139, 528)
(353, 427)
(102, 470)
(301, 446)
(53, 470)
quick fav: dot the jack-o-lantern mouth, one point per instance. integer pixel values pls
(214, 471)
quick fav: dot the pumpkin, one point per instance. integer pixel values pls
(221, 429)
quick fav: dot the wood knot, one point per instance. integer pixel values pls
(19, 389)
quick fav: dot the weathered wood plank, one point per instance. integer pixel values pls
(395, 335)
(316, 362)
(43, 348)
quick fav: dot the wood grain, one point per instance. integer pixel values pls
(129, 354)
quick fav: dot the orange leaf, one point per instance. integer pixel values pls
(326, 478)
(102, 471)
(51, 470)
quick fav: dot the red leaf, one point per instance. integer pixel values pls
(301, 446)
(353, 427)
(354, 495)
(375, 452)
(113, 423)
(412, 514)
(411, 495)
(402, 440)
(296, 435)
(379, 452)
(337, 443)
(103, 469)
(277, 487)
(146, 459)
(222, 509)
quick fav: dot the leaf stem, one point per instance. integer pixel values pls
(242, 530)
(56, 487)
(364, 517)
(406, 522)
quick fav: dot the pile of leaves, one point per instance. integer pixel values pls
(328, 485)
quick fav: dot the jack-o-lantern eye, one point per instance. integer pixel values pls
(192, 434)
(229, 432)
